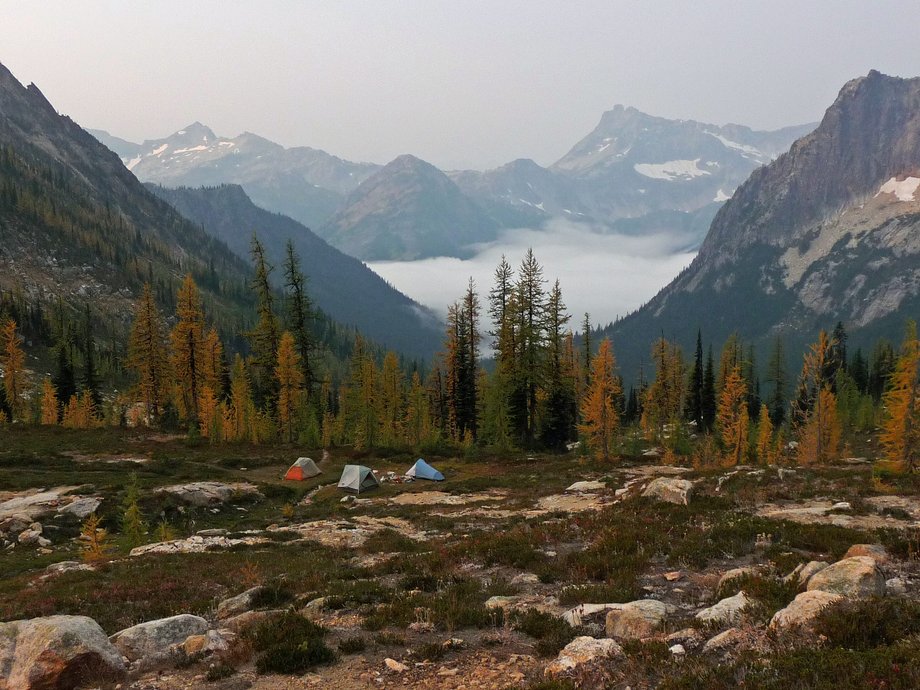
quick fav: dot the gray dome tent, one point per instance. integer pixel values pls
(358, 478)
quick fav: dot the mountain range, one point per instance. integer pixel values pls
(79, 228)
(829, 231)
(632, 172)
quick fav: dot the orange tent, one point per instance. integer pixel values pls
(304, 468)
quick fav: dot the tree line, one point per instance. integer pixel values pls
(540, 388)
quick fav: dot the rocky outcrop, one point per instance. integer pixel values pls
(154, 642)
(804, 572)
(205, 494)
(851, 577)
(727, 610)
(580, 651)
(802, 610)
(670, 490)
(637, 619)
(56, 652)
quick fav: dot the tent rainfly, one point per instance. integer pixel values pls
(422, 470)
(358, 478)
(303, 468)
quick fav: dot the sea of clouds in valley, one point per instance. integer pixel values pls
(607, 275)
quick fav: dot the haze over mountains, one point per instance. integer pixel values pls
(829, 231)
(77, 226)
(634, 173)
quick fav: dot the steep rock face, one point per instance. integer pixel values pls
(408, 210)
(829, 231)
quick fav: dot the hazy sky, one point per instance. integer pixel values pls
(465, 83)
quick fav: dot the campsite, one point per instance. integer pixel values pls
(484, 577)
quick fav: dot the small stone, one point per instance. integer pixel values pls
(725, 641)
(810, 569)
(395, 666)
(580, 651)
(525, 579)
(688, 638)
(673, 576)
(677, 650)
(670, 490)
(896, 587)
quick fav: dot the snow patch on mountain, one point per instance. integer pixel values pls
(751, 151)
(671, 170)
(904, 189)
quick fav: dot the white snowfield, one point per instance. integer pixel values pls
(671, 170)
(904, 189)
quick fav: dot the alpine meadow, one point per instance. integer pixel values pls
(641, 411)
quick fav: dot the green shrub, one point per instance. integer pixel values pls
(433, 651)
(551, 632)
(353, 645)
(219, 671)
(870, 623)
(291, 658)
(273, 595)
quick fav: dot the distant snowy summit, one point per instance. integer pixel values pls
(634, 173)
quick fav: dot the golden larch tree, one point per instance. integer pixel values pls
(49, 403)
(600, 418)
(210, 415)
(290, 384)
(13, 360)
(212, 372)
(188, 354)
(819, 436)
(732, 417)
(901, 427)
(765, 446)
(239, 420)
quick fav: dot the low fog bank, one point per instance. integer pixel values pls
(606, 275)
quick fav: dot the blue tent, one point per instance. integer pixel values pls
(422, 470)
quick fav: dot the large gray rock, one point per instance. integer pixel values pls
(851, 577)
(802, 610)
(203, 494)
(637, 619)
(728, 610)
(56, 652)
(670, 490)
(238, 604)
(154, 642)
(81, 508)
(582, 650)
(804, 572)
